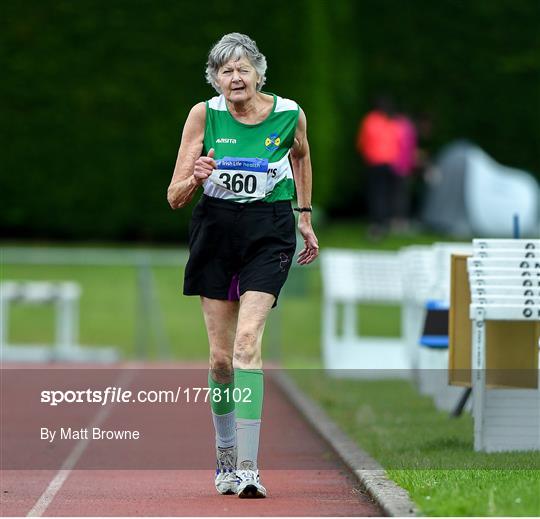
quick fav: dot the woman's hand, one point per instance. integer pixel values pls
(204, 167)
(311, 246)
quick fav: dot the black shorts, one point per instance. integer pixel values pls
(235, 247)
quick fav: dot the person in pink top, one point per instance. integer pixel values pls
(405, 159)
(377, 143)
(387, 143)
(377, 139)
(402, 168)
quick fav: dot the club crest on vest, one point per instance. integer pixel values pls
(272, 142)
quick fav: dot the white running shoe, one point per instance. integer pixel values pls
(249, 485)
(226, 481)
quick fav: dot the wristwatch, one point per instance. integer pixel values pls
(303, 209)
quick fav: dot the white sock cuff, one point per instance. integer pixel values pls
(225, 426)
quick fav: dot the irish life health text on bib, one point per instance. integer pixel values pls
(242, 176)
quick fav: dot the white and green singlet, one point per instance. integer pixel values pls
(253, 159)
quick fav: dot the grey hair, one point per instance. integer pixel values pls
(234, 46)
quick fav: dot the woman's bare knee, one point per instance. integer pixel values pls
(221, 367)
(247, 349)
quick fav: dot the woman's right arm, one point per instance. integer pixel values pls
(191, 169)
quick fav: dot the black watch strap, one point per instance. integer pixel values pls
(303, 209)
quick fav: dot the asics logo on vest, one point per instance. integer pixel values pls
(225, 141)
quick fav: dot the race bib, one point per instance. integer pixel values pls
(242, 176)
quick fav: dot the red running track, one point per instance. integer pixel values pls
(305, 478)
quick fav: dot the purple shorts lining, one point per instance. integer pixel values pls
(234, 289)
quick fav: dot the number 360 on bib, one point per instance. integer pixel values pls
(245, 177)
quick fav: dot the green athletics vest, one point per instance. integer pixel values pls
(253, 159)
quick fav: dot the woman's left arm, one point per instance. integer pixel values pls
(301, 163)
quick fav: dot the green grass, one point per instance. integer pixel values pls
(353, 235)
(421, 448)
(112, 314)
(504, 492)
(425, 451)
(107, 305)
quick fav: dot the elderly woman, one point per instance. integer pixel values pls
(239, 146)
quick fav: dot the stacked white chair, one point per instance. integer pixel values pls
(65, 298)
(433, 362)
(418, 272)
(349, 279)
(504, 277)
(442, 257)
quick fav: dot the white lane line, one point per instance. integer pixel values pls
(59, 479)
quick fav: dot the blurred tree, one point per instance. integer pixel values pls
(94, 95)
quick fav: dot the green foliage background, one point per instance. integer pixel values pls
(94, 95)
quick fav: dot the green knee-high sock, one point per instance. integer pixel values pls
(223, 414)
(250, 382)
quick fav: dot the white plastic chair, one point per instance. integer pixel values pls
(351, 278)
(65, 298)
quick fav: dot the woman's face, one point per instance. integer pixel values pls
(238, 80)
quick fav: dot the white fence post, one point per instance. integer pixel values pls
(65, 298)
